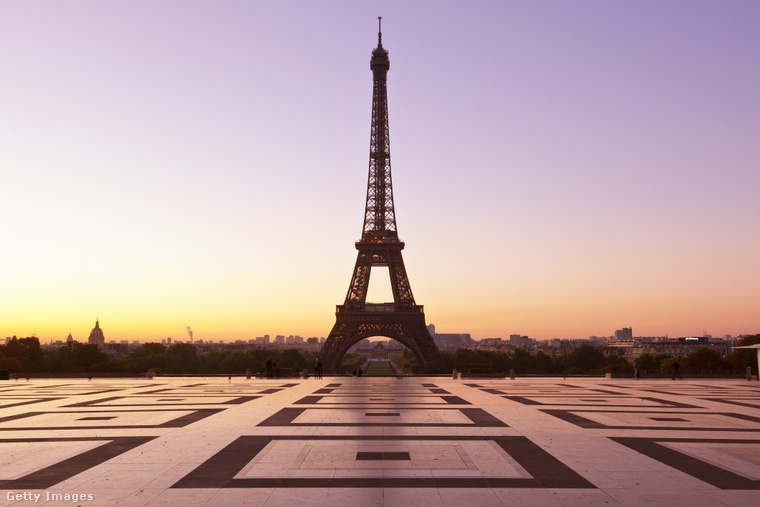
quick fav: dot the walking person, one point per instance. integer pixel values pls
(277, 368)
(677, 370)
(270, 368)
(635, 370)
(318, 370)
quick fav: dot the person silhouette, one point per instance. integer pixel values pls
(677, 370)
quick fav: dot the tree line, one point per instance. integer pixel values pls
(585, 359)
(25, 356)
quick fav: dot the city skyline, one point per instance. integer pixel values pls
(560, 171)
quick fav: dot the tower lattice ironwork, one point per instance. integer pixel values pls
(356, 319)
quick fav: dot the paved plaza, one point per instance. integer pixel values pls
(352, 442)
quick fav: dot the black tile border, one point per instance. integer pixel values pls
(706, 472)
(179, 422)
(313, 399)
(235, 400)
(659, 402)
(479, 417)
(219, 471)
(58, 472)
(30, 402)
(573, 417)
(382, 456)
(734, 402)
(28, 393)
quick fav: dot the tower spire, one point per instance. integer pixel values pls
(379, 31)
(379, 214)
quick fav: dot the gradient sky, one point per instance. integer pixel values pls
(561, 169)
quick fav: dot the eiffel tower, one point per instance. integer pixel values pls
(401, 320)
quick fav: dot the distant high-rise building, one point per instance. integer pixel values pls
(96, 335)
(624, 334)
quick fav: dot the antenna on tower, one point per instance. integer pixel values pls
(379, 30)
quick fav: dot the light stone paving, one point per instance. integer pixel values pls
(346, 441)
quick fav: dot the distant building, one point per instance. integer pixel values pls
(625, 334)
(96, 336)
(450, 341)
(69, 338)
(520, 341)
(679, 347)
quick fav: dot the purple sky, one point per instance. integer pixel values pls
(561, 169)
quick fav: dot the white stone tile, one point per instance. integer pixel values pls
(526, 497)
(301, 497)
(456, 497)
(417, 497)
(364, 497)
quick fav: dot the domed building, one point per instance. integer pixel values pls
(96, 335)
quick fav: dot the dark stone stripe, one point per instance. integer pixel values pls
(240, 400)
(283, 417)
(219, 470)
(706, 472)
(382, 456)
(523, 400)
(455, 400)
(606, 391)
(18, 416)
(308, 400)
(53, 474)
(382, 414)
(542, 466)
(481, 418)
(575, 419)
(93, 402)
(20, 403)
(674, 404)
(734, 402)
(195, 416)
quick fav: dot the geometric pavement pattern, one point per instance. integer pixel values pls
(379, 441)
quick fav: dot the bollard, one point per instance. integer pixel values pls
(512, 374)
(454, 374)
(248, 374)
(150, 374)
